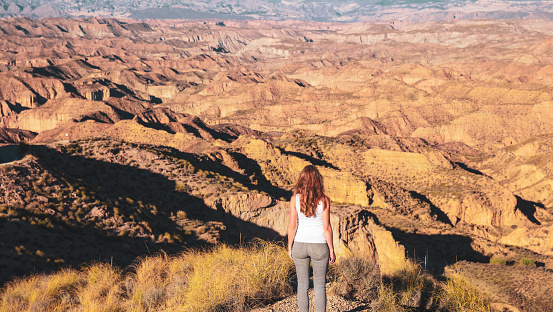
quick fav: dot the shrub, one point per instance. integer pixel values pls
(182, 188)
(498, 261)
(181, 215)
(528, 262)
(389, 299)
(355, 278)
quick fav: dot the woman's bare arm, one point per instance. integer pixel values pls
(292, 224)
(328, 230)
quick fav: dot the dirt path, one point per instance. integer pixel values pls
(333, 304)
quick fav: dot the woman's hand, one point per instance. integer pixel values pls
(332, 257)
(290, 253)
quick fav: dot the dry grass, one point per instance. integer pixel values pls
(39, 292)
(95, 288)
(227, 278)
(234, 278)
(406, 288)
(409, 288)
(461, 295)
(100, 289)
(222, 279)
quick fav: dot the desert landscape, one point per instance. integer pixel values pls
(125, 138)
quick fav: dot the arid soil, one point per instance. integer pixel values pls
(334, 304)
(133, 137)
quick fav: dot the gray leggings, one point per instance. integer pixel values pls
(319, 254)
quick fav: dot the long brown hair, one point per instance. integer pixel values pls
(310, 187)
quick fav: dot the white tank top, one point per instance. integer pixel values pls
(310, 230)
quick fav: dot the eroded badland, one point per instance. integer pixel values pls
(435, 138)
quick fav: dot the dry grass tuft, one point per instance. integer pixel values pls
(96, 288)
(407, 288)
(150, 283)
(231, 279)
(100, 289)
(462, 296)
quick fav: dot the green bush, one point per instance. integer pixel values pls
(528, 262)
(498, 261)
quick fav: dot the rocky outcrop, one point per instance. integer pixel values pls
(15, 136)
(7, 109)
(478, 208)
(29, 91)
(94, 93)
(252, 215)
(57, 112)
(359, 234)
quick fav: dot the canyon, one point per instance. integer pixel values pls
(121, 137)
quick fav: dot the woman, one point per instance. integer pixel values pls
(310, 236)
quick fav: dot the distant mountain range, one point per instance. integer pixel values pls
(307, 10)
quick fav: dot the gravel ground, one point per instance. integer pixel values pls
(333, 304)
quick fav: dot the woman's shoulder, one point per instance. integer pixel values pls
(294, 197)
(326, 202)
